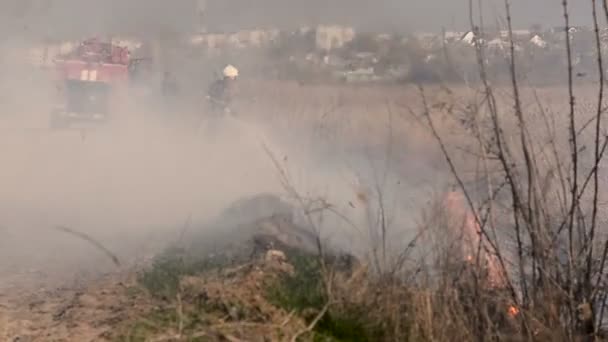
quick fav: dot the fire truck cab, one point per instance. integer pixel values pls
(88, 79)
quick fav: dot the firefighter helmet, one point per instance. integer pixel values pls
(230, 71)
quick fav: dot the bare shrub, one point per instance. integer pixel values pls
(524, 258)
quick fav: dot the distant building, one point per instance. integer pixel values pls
(538, 41)
(332, 37)
(468, 38)
(240, 39)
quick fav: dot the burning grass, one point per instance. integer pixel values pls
(440, 299)
(438, 293)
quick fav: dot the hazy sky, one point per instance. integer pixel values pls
(424, 13)
(87, 16)
(395, 14)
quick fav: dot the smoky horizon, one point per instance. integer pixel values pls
(77, 18)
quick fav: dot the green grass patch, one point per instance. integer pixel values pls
(304, 291)
(334, 328)
(162, 278)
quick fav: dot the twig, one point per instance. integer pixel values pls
(179, 312)
(574, 154)
(600, 65)
(312, 324)
(172, 337)
(532, 198)
(185, 228)
(91, 241)
(504, 155)
(284, 323)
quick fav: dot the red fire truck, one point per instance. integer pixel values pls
(88, 80)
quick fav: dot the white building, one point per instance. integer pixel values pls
(333, 37)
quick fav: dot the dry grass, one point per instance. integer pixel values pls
(435, 306)
(430, 290)
(429, 293)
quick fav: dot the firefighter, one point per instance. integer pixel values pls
(221, 91)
